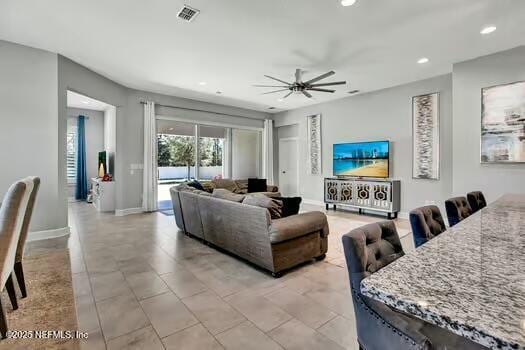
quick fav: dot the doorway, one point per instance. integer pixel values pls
(289, 166)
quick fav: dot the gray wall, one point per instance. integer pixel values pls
(94, 136)
(469, 78)
(28, 127)
(380, 115)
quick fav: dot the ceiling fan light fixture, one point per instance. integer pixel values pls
(348, 2)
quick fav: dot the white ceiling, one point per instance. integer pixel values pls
(77, 100)
(233, 43)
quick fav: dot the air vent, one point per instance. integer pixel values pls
(188, 13)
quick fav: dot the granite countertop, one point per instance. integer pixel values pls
(470, 279)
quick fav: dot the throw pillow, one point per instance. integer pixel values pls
(227, 195)
(196, 184)
(291, 205)
(226, 184)
(273, 205)
(257, 185)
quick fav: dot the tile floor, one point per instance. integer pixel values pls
(140, 283)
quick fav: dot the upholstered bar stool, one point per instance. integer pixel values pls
(426, 223)
(476, 200)
(11, 219)
(457, 209)
(367, 250)
(19, 270)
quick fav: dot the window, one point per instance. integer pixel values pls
(71, 151)
(175, 151)
(211, 152)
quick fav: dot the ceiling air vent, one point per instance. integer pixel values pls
(187, 13)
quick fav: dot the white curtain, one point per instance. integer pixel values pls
(149, 189)
(268, 151)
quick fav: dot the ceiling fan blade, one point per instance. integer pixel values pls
(322, 90)
(306, 94)
(279, 80)
(288, 94)
(328, 84)
(272, 92)
(298, 75)
(275, 86)
(321, 77)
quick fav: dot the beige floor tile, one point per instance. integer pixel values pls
(247, 336)
(193, 338)
(81, 284)
(183, 283)
(259, 310)
(95, 341)
(338, 302)
(121, 315)
(215, 314)
(96, 264)
(108, 285)
(338, 331)
(134, 266)
(294, 335)
(304, 309)
(87, 315)
(300, 284)
(146, 284)
(167, 314)
(142, 339)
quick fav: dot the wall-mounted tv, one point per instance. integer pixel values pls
(362, 159)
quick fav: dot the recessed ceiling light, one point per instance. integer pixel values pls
(348, 2)
(202, 83)
(423, 60)
(280, 99)
(488, 30)
(85, 102)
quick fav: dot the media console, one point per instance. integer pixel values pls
(363, 194)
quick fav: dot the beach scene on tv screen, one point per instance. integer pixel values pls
(369, 159)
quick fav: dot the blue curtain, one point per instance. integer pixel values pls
(82, 180)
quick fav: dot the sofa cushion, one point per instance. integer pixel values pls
(273, 205)
(257, 185)
(227, 195)
(196, 184)
(291, 205)
(226, 184)
(298, 225)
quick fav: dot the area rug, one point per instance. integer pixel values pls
(165, 207)
(49, 306)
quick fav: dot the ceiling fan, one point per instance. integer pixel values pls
(300, 86)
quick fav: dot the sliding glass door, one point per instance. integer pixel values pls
(188, 151)
(211, 152)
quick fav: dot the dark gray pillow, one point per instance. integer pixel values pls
(274, 206)
(227, 195)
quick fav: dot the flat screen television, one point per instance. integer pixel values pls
(362, 159)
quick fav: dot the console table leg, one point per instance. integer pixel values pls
(389, 215)
(335, 207)
(326, 206)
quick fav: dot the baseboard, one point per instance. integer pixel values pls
(128, 211)
(47, 234)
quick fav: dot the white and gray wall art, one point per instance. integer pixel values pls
(425, 136)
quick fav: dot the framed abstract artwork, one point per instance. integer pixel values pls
(315, 165)
(503, 123)
(425, 136)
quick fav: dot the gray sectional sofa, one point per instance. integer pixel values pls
(249, 232)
